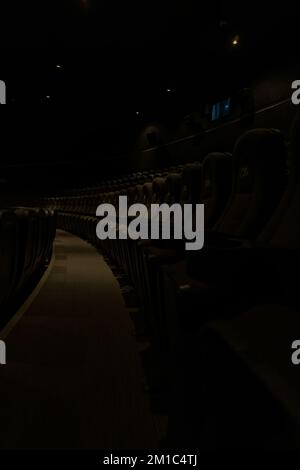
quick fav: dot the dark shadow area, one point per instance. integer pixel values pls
(154, 346)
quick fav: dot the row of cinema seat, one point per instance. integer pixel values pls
(237, 303)
(26, 238)
(251, 250)
(183, 184)
(239, 194)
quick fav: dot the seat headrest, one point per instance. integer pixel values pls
(257, 144)
(173, 180)
(216, 167)
(138, 193)
(191, 171)
(147, 188)
(259, 152)
(173, 186)
(159, 188)
(192, 182)
(158, 183)
(213, 157)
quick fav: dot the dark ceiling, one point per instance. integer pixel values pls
(112, 51)
(97, 23)
(102, 61)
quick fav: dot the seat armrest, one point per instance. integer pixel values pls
(220, 240)
(216, 256)
(257, 269)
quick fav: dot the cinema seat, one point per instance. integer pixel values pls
(258, 338)
(26, 237)
(200, 286)
(165, 188)
(191, 183)
(259, 182)
(278, 247)
(173, 188)
(236, 386)
(182, 185)
(257, 342)
(216, 186)
(211, 184)
(8, 253)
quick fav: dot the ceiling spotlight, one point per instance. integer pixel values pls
(58, 66)
(169, 90)
(235, 41)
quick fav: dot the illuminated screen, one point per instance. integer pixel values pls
(221, 110)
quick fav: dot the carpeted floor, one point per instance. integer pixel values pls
(73, 377)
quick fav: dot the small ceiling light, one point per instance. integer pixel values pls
(58, 66)
(169, 90)
(235, 41)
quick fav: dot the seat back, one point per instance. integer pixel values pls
(8, 253)
(284, 227)
(191, 183)
(173, 188)
(158, 190)
(259, 172)
(216, 185)
(147, 194)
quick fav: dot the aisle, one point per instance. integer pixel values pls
(73, 377)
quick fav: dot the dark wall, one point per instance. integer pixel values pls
(180, 144)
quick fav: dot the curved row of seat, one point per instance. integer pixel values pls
(185, 184)
(251, 215)
(229, 298)
(240, 192)
(26, 237)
